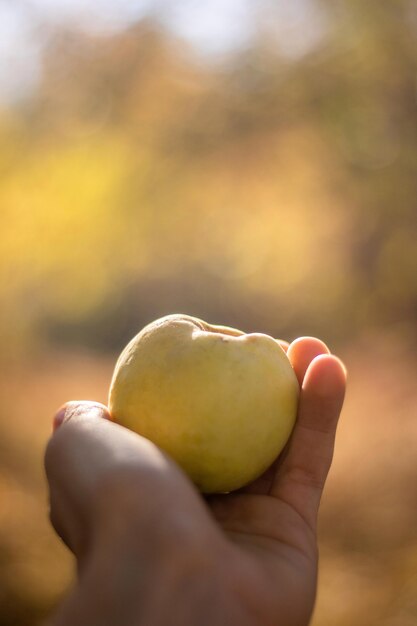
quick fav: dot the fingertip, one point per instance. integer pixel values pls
(284, 344)
(59, 417)
(303, 351)
(302, 474)
(79, 408)
(326, 374)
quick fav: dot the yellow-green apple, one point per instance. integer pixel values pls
(220, 402)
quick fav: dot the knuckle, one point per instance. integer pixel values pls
(307, 477)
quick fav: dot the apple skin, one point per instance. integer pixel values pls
(220, 402)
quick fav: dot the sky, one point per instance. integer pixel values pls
(213, 27)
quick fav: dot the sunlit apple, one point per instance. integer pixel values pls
(220, 402)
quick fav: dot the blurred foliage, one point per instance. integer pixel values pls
(274, 193)
(271, 192)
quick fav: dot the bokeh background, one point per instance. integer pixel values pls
(253, 163)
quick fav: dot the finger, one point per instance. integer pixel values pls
(284, 344)
(102, 475)
(302, 351)
(84, 449)
(300, 477)
(78, 407)
(68, 502)
(88, 445)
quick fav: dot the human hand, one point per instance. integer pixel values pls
(151, 550)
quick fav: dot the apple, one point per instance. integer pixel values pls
(220, 402)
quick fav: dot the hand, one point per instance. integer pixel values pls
(152, 551)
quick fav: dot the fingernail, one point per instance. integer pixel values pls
(59, 418)
(79, 408)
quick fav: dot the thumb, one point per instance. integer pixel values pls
(101, 474)
(94, 466)
(79, 408)
(70, 471)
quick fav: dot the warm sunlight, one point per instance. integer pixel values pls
(249, 163)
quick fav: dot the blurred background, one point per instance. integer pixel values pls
(252, 163)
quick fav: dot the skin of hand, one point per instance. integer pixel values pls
(152, 551)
